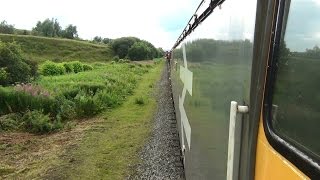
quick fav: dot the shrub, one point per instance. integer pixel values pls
(77, 66)
(37, 122)
(16, 67)
(65, 109)
(87, 67)
(3, 75)
(87, 105)
(140, 51)
(116, 58)
(9, 122)
(50, 68)
(68, 67)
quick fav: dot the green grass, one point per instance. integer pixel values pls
(111, 146)
(41, 49)
(70, 96)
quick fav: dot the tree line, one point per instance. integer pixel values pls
(135, 49)
(46, 28)
(125, 48)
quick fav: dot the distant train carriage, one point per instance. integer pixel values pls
(246, 87)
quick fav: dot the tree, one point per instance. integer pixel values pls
(106, 40)
(97, 39)
(139, 51)
(6, 28)
(70, 32)
(160, 52)
(47, 28)
(122, 45)
(14, 68)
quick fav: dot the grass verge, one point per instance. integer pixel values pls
(111, 146)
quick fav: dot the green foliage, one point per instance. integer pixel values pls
(122, 45)
(6, 28)
(106, 40)
(37, 122)
(3, 75)
(77, 66)
(9, 122)
(16, 67)
(50, 68)
(52, 28)
(47, 28)
(40, 49)
(70, 32)
(139, 51)
(116, 58)
(64, 108)
(87, 67)
(68, 67)
(12, 101)
(139, 101)
(97, 39)
(134, 48)
(160, 52)
(70, 96)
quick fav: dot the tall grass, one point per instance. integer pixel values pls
(62, 98)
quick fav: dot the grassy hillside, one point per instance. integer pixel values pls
(58, 50)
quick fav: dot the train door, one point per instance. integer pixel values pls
(288, 141)
(211, 68)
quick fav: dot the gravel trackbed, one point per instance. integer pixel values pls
(161, 156)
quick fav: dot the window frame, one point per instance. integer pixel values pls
(305, 161)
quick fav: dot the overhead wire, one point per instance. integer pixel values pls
(197, 20)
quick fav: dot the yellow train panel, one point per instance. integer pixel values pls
(270, 165)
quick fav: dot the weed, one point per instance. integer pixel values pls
(139, 101)
(37, 122)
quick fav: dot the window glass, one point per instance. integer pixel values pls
(296, 98)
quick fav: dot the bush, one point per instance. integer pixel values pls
(9, 122)
(50, 68)
(3, 76)
(87, 105)
(87, 67)
(139, 51)
(68, 67)
(16, 67)
(77, 66)
(116, 58)
(37, 122)
(65, 109)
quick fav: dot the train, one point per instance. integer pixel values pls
(245, 78)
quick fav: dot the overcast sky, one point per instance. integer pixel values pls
(158, 21)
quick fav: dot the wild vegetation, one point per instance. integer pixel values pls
(40, 49)
(62, 92)
(124, 48)
(135, 49)
(57, 97)
(51, 88)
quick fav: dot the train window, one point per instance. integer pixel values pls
(296, 95)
